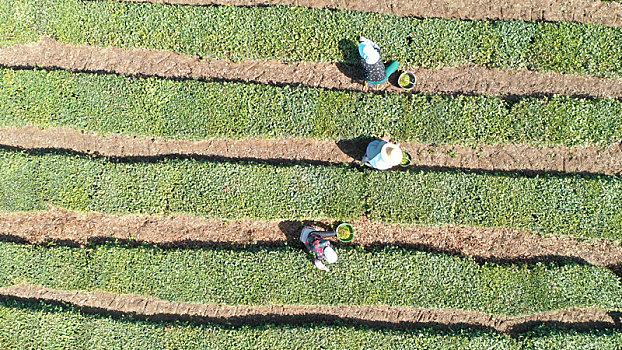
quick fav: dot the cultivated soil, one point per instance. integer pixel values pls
(502, 245)
(608, 13)
(370, 316)
(471, 80)
(523, 159)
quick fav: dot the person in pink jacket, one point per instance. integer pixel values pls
(321, 248)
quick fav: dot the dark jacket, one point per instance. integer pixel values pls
(374, 72)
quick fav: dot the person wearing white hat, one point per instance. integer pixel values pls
(382, 154)
(374, 71)
(320, 247)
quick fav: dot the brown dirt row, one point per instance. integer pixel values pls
(371, 316)
(582, 11)
(502, 245)
(465, 79)
(506, 158)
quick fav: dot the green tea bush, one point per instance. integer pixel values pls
(286, 276)
(584, 206)
(210, 189)
(301, 34)
(198, 110)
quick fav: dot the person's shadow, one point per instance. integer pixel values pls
(350, 66)
(355, 147)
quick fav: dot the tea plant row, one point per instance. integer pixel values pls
(584, 206)
(199, 110)
(41, 326)
(301, 34)
(286, 276)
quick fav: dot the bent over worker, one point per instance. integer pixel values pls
(321, 248)
(382, 154)
(374, 71)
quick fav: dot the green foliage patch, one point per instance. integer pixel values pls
(42, 326)
(584, 206)
(198, 110)
(286, 276)
(301, 34)
(211, 189)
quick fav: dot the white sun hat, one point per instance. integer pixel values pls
(391, 154)
(369, 52)
(330, 255)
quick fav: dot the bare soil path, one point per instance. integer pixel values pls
(501, 245)
(370, 316)
(476, 80)
(522, 159)
(581, 11)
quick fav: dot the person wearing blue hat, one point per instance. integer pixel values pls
(374, 71)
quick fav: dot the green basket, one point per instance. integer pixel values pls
(345, 232)
(407, 160)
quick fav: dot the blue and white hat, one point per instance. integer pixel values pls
(369, 51)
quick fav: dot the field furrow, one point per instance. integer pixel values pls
(51, 54)
(316, 35)
(519, 159)
(39, 325)
(367, 316)
(265, 276)
(58, 227)
(159, 159)
(583, 206)
(586, 11)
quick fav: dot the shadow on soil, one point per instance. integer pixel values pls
(306, 320)
(354, 148)
(173, 156)
(48, 308)
(349, 68)
(291, 229)
(577, 326)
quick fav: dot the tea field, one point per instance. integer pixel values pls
(178, 281)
